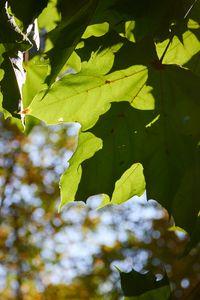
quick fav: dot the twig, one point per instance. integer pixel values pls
(189, 10)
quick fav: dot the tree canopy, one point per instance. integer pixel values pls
(127, 74)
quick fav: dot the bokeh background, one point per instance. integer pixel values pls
(73, 254)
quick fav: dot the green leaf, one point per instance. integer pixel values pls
(194, 64)
(194, 13)
(2, 50)
(88, 144)
(49, 17)
(72, 98)
(109, 42)
(138, 286)
(36, 72)
(180, 53)
(171, 164)
(185, 205)
(10, 34)
(96, 30)
(11, 96)
(131, 183)
(162, 293)
(164, 141)
(27, 10)
(151, 18)
(170, 150)
(195, 237)
(2, 110)
(73, 63)
(113, 170)
(1, 74)
(75, 18)
(5, 87)
(126, 52)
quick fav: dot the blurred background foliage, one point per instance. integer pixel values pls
(46, 255)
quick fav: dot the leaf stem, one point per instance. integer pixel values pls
(170, 39)
(189, 10)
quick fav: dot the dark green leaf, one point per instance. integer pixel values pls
(27, 10)
(117, 129)
(10, 34)
(151, 19)
(167, 148)
(194, 238)
(173, 148)
(194, 64)
(66, 36)
(135, 284)
(11, 96)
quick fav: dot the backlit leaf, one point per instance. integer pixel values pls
(88, 144)
(83, 97)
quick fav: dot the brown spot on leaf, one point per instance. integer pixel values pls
(107, 81)
(26, 111)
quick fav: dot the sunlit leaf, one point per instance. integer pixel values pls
(180, 53)
(96, 30)
(49, 17)
(88, 144)
(131, 183)
(114, 170)
(83, 97)
(36, 72)
(164, 141)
